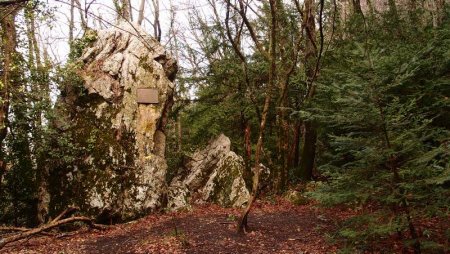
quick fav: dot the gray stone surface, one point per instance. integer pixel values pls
(215, 174)
(121, 143)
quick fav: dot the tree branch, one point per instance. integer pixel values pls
(25, 232)
(11, 2)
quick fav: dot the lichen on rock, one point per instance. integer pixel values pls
(214, 174)
(120, 144)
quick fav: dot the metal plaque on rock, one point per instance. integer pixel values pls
(147, 96)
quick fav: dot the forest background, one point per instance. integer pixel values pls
(352, 96)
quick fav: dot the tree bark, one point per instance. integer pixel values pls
(141, 12)
(71, 21)
(8, 49)
(126, 10)
(308, 154)
(307, 157)
(80, 10)
(123, 9)
(283, 137)
(156, 23)
(296, 146)
(243, 225)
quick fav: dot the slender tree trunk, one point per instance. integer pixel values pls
(41, 102)
(247, 142)
(308, 153)
(156, 23)
(141, 12)
(283, 136)
(81, 11)
(296, 146)
(126, 10)
(71, 21)
(123, 9)
(8, 48)
(130, 9)
(179, 135)
(243, 225)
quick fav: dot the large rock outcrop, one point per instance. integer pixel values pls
(214, 174)
(116, 166)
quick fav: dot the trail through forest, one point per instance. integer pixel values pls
(277, 227)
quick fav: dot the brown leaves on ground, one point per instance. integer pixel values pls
(277, 227)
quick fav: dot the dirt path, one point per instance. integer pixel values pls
(276, 228)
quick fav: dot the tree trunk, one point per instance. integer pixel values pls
(280, 176)
(41, 101)
(71, 21)
(8, 48)
(126, 10)
(156, 24)
(247, 142)
(141, 12)
(123, 9)
(307, 157)
(80, 10)
(296, 146)
(243, 226)
(308, 154)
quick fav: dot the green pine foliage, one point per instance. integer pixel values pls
(384, 104)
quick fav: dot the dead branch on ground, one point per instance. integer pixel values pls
(58, 221)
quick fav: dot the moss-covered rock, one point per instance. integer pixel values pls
(214, 174)
(118, 170)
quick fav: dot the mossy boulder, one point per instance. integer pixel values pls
(214, 174)
(115, 166)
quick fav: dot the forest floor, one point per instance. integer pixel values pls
(277, 226)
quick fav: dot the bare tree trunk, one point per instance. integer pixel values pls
(243, 225)
(8, 48)
(130, 9)
(40, 84)
(141, 12)
(80, 10)
(296, 146)
(123, 9)
(71, 21)
(280, 176)
(156, 23)
(247, 142)
(308, 154)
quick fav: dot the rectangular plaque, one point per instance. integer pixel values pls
(147, 96)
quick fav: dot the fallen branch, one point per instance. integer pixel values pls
(21, 229)
(64, 213)
(25, 233)
(13, 229)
